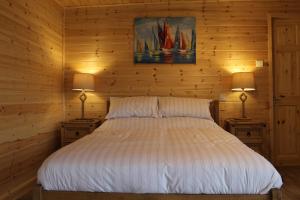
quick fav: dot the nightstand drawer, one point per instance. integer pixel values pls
(256, 147)
(71, 133)
(76, 129)
(254, 133)
(250, 132)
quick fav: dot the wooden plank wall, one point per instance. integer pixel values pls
(77, 3)
(31, 70)
(231, 35)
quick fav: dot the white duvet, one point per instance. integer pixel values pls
(159, 155)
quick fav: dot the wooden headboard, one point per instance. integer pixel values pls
(214, 110)
(213, 107)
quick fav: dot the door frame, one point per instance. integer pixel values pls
(271, 17)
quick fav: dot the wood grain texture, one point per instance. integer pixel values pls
(20, 160)
(291, 187)
(40, 194)
(76, 129)
(250, 133)
(98, 3)
(231, 35)
(31, 73)
(286, 51)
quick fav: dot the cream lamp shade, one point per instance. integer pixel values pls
(243, 81)
(84, 82)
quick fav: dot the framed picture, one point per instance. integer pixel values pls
(165, 40)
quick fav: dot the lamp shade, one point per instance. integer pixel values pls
(243, 81)
(83, 82)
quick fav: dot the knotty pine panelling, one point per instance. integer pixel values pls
(19, 162)
(31, 70)
(77, 3)
(231, 35)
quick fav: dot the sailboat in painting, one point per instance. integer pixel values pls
(139, 47)
(168, 42)
(156, 46)
(165, 40)
(183, 44)
(146, 47)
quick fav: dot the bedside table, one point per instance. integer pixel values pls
(250, 132)
(75, 129)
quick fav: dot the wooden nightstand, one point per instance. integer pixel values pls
(75, 129)
(251, 133)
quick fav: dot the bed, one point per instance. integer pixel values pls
(158, 158)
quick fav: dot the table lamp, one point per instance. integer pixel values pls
(84, 83)
(243, 81)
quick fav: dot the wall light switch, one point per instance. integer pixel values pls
(259, 63)
(222, 97)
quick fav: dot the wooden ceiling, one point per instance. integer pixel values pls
(79, 3)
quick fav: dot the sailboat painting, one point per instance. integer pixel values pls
(165, 40)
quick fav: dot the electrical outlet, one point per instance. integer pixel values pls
(259, 63)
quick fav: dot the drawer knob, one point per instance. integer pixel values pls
(248, 134)
(77, 133)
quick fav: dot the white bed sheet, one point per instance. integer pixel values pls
(159, 155)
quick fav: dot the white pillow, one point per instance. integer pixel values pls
(132, 107)
(184, 107)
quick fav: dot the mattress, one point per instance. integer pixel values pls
(159, 155)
